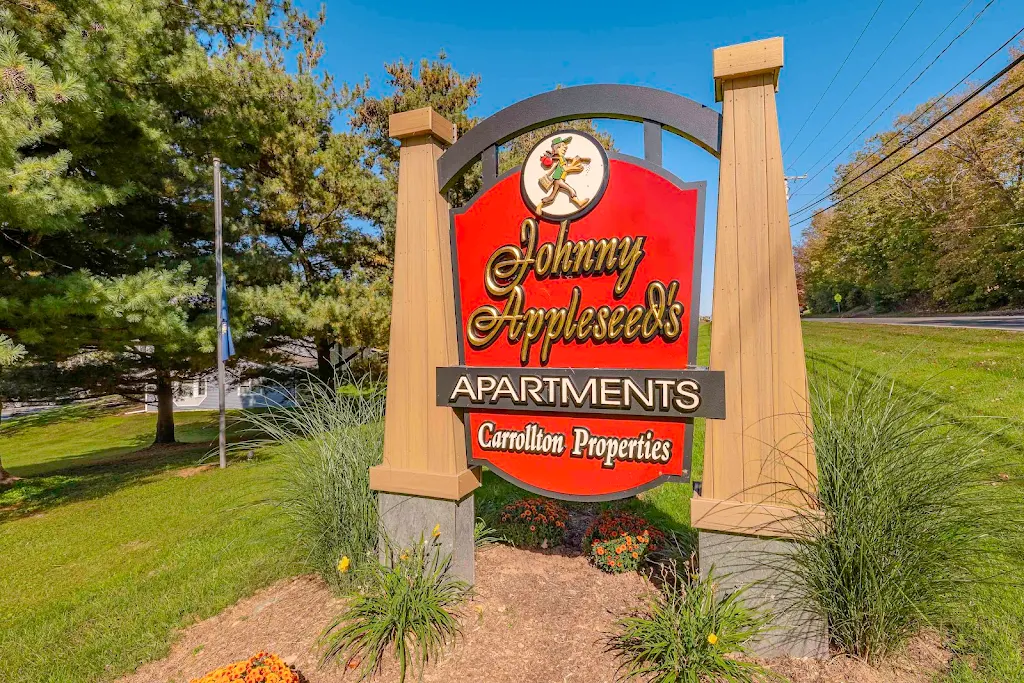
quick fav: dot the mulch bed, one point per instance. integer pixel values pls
(539, 617)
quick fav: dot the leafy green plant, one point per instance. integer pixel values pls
(484, 535)
(913, 515)
(534, 522)
(406, 607)
(618, 555)
(328, 443)
(687, 634)
(615, 523)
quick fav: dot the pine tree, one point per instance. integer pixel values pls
(323, 276)
(437, 84)
(115, 288)
(432, 83)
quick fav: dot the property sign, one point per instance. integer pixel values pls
(577, 281)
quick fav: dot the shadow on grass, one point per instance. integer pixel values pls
(35, 495)
(86, 410)
(192, 428)
(125, 451)
(1009, 435)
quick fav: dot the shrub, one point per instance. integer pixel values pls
(263, 666)
(328, 443)
(618, 555)
(687, 634)
(406, 606)
(534, 523)
(917, 514)
(615, 523)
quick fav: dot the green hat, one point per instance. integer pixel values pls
(567, 139)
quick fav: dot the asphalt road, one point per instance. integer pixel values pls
(1012, 323)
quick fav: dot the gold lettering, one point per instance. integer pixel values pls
(631, 254)
(510, 265)
(632, 329)
(615, 323)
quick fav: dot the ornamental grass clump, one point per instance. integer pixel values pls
(914, 515)
(534, 523)
(405, 608)
(263, 667)
(328, 442)
(688, 634)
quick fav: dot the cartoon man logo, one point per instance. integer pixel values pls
(558, 167)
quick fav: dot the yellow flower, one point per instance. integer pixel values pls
(712, 638)
(404, 556)
(344, 563)
(437, 530)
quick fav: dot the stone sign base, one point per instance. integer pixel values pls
(751, 561)
(404, 520)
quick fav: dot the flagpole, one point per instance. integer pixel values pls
(217, 220)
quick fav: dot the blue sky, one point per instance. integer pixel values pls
(521, 49)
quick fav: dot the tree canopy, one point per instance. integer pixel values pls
(112, 112)
(944, 231)
(135, 98)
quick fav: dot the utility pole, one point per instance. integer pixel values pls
(792, 177)
(217, 221)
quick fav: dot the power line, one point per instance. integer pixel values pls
(916, 154)
(904, 92)
(906, 143)
(964, 228)
(33, 251)
(861, 81)
(835, 75)
(917, 118)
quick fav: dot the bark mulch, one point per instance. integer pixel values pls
(537, 617)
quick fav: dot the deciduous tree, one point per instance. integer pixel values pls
(943, 231)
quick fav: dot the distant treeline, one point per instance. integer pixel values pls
(944, 231)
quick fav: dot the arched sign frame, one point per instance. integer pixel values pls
(657, 110)
(756, 339)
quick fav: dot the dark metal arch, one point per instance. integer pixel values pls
(675, 113)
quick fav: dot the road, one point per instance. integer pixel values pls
(1011, 323)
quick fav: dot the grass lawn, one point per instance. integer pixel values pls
(969, 374)
(85, 434)
(108, 551)
(105, 550)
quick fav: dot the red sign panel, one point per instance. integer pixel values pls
(577, 295)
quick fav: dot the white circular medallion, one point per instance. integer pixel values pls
(564, 175)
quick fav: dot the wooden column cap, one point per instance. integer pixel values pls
(747, 59)
(425, 121)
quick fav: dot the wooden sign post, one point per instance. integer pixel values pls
(424, 480)
(758, 456)
(547, 328)
(759, 460)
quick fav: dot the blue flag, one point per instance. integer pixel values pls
(225, 329)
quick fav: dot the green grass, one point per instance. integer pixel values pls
(975, 372)
(973, 375)
(89, 433)
(102, 561)
(105, 552)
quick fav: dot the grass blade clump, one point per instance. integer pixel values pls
(917, 511)
(688, 635)
(484, 536)
(328, 442)
(405, 608)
